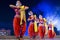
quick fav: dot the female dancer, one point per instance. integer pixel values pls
(19, 21)
(51, 33)
(42, 26)
(32, 29)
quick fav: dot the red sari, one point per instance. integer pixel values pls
(41, 28)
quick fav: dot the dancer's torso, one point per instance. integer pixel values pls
(50, 27)
(17, 11)
(41, 22)
(32, 19)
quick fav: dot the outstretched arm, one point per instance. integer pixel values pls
(26, 7)
(12, 6)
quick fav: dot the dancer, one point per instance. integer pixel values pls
(51, 33)
(42, 26)
(32, 29)
(19, 21)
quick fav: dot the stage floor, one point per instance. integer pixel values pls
(29, 39)
(25, 38)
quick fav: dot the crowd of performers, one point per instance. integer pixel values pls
(37, 26)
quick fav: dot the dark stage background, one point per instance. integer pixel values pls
(50, 9)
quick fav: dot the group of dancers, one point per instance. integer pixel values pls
(37, 26)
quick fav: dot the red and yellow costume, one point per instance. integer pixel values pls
(19, 28)
(41, 28)
(19, 21)
(51, 33)
(32, 29)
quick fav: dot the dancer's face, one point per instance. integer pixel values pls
(40, 16)
(30, 13)
(18, 3)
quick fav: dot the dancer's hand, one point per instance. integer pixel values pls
(11, 5)
(26, 7)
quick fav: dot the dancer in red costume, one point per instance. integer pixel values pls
(51, 33)
(41, 26)
(19, 28)
(31, 31)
